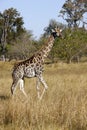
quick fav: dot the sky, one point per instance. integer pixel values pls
(36, 13)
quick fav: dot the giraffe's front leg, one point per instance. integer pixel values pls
(44, 84)
(38, 88)
(14, 85)
(21, 82)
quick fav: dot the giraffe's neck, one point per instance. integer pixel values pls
(47, 48)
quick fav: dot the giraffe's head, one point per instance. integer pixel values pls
(56, 32)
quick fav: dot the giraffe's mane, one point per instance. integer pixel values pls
(36, 53)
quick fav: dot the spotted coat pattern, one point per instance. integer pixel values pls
(33, 67)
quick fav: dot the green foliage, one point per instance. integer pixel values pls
(11, 26)
(72, 45)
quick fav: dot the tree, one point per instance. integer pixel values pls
(75, 41)
(23, 48)
(11, 26)
(72, 45)
(72, 11)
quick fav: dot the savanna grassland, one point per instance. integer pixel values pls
(63, 107)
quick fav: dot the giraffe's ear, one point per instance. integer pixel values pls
(52, 30)
(58, 29)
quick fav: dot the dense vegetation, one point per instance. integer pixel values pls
(18, 43)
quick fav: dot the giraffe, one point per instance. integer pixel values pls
(33, 67)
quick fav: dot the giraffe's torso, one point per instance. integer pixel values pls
(29, 68)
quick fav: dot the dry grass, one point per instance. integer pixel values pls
(63, 107)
